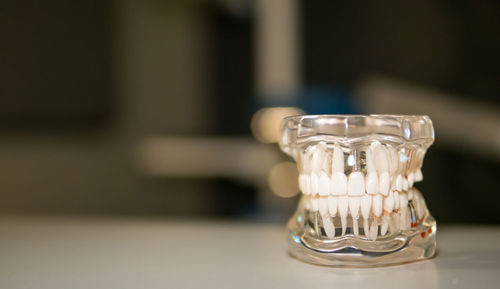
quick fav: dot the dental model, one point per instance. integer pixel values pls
(357, 174)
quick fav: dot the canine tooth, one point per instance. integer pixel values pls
(355, 227)
(366, 227)
(389, 203)
(356, 184)
(338, 160)
(418, 175)
(323, 206)
(405, 184)
(410, 195)
(329, 227)
(332, 205)
(370, 167)
(339, 184)
(384, 183)
(411, 178)
(315, 203)
(371, 183)
(324, 185)
(380, 158)
(343, 209)
(377, 205)
(317, 158)
(314, 183)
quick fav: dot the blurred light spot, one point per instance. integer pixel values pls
(296, 239)
(350, 160)
(283, 179)
(266, 122)
(403, 158)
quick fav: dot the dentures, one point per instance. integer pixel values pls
(368, 189)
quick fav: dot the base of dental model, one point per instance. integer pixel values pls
(356, 173)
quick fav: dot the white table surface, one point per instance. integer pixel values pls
(125, 253)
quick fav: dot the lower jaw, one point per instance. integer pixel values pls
(410, 236)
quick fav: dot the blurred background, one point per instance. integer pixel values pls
(171, 108)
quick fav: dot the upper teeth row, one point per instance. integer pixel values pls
(322, 173)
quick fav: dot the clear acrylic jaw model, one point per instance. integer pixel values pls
(356, 173)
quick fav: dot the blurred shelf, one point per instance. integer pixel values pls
(50, 252)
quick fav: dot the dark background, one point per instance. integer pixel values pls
(83, 82)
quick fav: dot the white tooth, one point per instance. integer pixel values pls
(356, 185)
(384, 183)
(399, 183)
(307, 202)
(418, 175)
(384, 226)
(354, 204)
(373, 230)
(410, 195)
(389, 203)
(314, 183)
(380, 157)
(307, 181)
(366, 227)
(370, 167)
(411, 178)
(405, 184)
(371, 183)
(329, 227)
(339, 184)
(317, 158)
(366, 204)
(396, 200)
(315, 204)
(324, 185)
(332, 205)
(323, 206)
(302, 183)
(393, 160)
(338, 160)
(403, 205)
(343, 209)
(355, 227)
(377, 205)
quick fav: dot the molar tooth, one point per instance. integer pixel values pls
(343, 209)
(377, 205)
(332, 205)
(339, 184)
(356, 184)
(324, 185)
(329, 227)
(323, 206)
(338, 160)
(411, 178)
(418, 175)
(315, 203)
(384, 183)
(354, 204)
(371, 183)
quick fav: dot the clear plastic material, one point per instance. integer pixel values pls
(356, 173)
